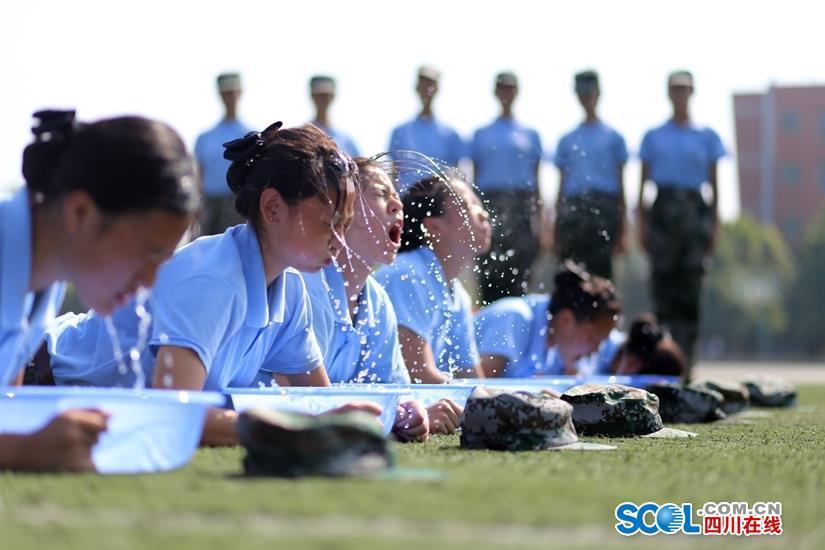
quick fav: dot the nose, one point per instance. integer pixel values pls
(396, 205)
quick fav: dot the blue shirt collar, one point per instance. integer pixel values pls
(16, 259)
(264, 305)
(338, 296)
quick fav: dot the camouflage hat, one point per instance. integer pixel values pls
(287, 444)
(617, 411)
(520, 421)
(685, 404)
(770, 391)
(735, 396)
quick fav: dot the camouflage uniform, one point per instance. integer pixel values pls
(679, 228)
(505, 270)
(587, 226)
(287, 444)
(615, 410)
(519, 421)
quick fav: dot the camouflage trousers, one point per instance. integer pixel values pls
(587, 226)
(218, 214)
(679, 231)
(505, 271)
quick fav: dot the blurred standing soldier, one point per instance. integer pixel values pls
(590, 208)
(506, 156)
(219, 202)
(679, 230)
(424, 134)
(322, 92)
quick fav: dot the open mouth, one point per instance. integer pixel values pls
(395, 234)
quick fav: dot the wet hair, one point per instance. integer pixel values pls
(300, 163)
(589, 297)
(126, 164)
(657, 351)
(424, 199)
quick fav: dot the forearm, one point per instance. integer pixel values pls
(219, 429)
(12, 451)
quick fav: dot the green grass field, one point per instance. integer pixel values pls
(456, 499)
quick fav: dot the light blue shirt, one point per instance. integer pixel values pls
(209, 153)
(435, 309)
(601, 361)
(344, 142)
(590, 159)
(429, 137)
(365, 351)
(24, 315)
(506, 155)
(516, 328)
(680, 155)
(211, 298)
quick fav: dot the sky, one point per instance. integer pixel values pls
(160, 58)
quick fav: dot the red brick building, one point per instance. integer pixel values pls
(780, 147)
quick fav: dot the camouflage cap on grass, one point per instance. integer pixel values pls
(519, 421)
(770, 391)
(287, 444)
(684, 404)
(735, 396)
(615, 410)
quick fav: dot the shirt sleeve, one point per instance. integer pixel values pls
(296, 350)
(503, 329)
(620, 149)
(385, 350)
(645, 149)
(537, 148)
(716, 149)
(198, 313)
(460, 340)
(560, 158)
(412, 300)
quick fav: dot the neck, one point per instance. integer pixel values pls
(452, 264)
(681, 116)
(355, 274)
(230, 113)
(322, 118)
(590, 117)
(47, 246)
(506, 111)
(426, 111)
(273, 264)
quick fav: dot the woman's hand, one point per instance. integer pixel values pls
(445, 416)
(411, 422)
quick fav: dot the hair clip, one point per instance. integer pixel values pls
(53, 124)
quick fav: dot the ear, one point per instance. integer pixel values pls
(434, 225)
(80, 214)
(272, 207)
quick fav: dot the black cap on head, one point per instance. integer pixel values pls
(506, 78)
(586, 81)
(322, 84)
(229, 82)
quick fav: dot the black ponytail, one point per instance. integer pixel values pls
(589, 297)
(126, 164)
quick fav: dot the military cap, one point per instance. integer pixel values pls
(735, 396)
(680, 78)
(685, 404)
(586, 81)
(229, 82)
(519, 421)
(506, 78)
(428, 72)
(287, 444)
(615, 410)
(770, 391)
(322, 84)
